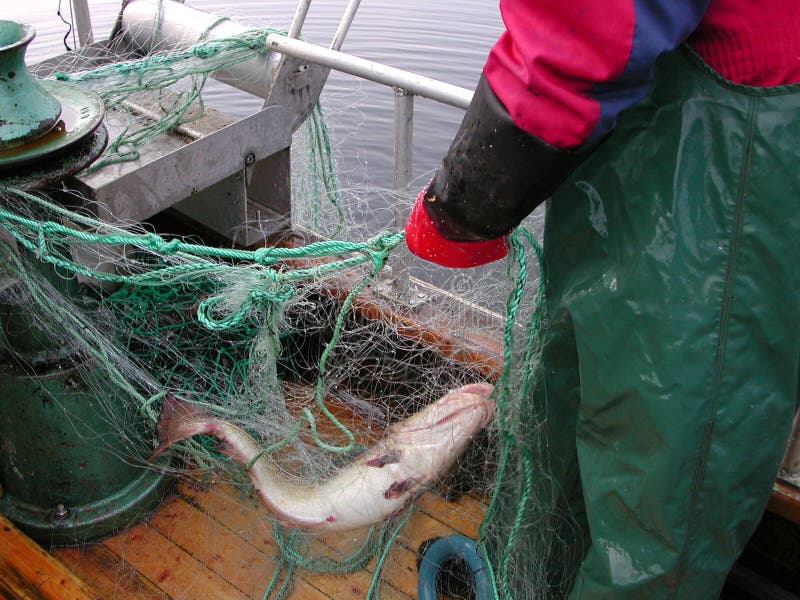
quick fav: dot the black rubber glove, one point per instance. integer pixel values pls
(494, 174)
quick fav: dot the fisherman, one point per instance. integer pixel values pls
(665, 133)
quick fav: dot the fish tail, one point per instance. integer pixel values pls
(179, 420)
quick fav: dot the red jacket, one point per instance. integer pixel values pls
(564, 70)
(555, 82)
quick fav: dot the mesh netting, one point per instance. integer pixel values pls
(298, 343)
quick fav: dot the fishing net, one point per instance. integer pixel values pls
(308, 343)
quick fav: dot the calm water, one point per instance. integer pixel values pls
(444, 40)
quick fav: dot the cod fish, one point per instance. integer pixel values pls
(413, 455)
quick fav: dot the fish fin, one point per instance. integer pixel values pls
(381, 460)
(179, 420)
(398, 488)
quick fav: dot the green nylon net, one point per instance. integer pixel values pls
(275, 338)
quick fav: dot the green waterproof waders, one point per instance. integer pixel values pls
(670, 358)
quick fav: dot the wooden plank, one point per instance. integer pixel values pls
(400, 570)
(111, 576)
(245, 514)
(785, 501)
(464, 515)
(243, 565)
(239, 512)
(168, 567)
(349, 585)
(250, 520)
(420, 528)
(28, 572)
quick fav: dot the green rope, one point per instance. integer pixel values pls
(320, 388)
(506, 430)
(157, 73)
(286, 583)
(71, 323)
(115, 82)
(275, 286)
(269, 286)
(292, 544)
(387, 544)
(322, 161)
(516, 527)
(146, 68)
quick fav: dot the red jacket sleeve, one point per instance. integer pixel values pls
(552, 87)
(556, 80)
(564, 70)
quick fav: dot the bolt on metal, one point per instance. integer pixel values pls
(61, 512)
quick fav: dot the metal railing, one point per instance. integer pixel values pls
(406, 85)
(260, 77)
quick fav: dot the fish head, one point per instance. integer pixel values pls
(473, 403)
(435, 437)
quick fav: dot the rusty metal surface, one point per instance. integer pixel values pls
(81, 113)
(43, 174)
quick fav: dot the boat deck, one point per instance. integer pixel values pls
(211, 541)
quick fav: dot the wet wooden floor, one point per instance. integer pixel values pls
(215, 543)
(210, 540)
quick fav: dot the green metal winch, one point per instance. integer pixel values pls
(71, 442)
(48, 129)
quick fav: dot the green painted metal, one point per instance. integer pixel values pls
(72, 447)
(48, 129)
(19, 331)
(49, 170)
(71, 444)
(669, 363)
(82, 111)
(71, 465)
(27, 110)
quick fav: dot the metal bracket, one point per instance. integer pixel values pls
(201, 167)
(170, 25)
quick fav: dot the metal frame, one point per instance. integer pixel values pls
(406, 85)
(289, 62)
(83, 22)
(291, 78)
(418, 85)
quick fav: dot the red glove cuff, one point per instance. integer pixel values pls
(425, 241)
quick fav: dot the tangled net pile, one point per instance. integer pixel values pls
(281, 340)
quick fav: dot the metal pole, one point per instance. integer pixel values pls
(418, 85)
(83, 22)
(276, 60)
(344, 24)
(402, 161)
(403, 138)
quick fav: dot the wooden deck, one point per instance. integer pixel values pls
(215, 543)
